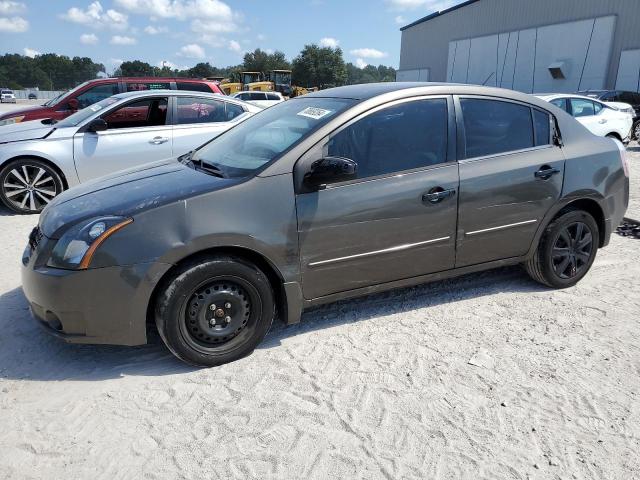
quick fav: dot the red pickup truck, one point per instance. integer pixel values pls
(93, 91)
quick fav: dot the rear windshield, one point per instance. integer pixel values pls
(264, 137)
(6, 91)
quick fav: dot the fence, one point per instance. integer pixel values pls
(41, 94)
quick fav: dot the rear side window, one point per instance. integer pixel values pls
(96, 94)
(272, 96)
(542, 125)
(234, 111)
(194, 87)
(200, 110)
(402, 137)
(143, 113)
(141, 86)
(582, 108)
(560, 103)
(493, 127)
(257, 96)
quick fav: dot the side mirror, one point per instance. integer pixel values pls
(97, 125)
(73, 104)
(330, 170)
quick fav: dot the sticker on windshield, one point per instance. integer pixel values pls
(314, 112)
(95, 108)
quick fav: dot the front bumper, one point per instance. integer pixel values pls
(98, 306)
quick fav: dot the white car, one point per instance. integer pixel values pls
(39, 159)
(261, 99)
(602, 119)
(7, 96)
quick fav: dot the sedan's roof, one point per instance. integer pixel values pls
(370, 90)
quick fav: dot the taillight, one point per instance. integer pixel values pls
(623, 157)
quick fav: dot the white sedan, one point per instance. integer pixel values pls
(40, 159)
(261, 99)
(602, 119)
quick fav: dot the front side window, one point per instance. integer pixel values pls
(143, 113)
(95, 94)
(493, 127)
(262, 138)
(402, 137)
(200, 110)
(141, 86)
(582, 108)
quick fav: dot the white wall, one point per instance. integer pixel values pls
(629, 71)
(520, 60)
(415, 75)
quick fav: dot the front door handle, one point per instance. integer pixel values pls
(158, 140)
(546, 172)
(604, 120)
(437, 194)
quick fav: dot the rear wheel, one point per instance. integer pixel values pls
(28, 185)
(566, 251)
(215, 311)
(636, 131)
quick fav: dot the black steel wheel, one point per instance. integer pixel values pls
(214, 310)
(566, 250)
(636, 131)
(28, 185)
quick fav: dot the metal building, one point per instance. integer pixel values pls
(527, 45)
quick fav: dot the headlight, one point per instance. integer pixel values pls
(12, 120)
(75, 249)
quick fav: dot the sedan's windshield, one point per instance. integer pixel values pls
(59, 98)
(263, 137)
(81, 115)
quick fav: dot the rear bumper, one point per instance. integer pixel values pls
(99, 306)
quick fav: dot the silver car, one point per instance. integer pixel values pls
(40, 159)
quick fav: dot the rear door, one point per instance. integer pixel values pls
(138, 133)
(510, 176)
(199, 119)
(398, 218)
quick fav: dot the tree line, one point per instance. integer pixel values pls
(315, 66)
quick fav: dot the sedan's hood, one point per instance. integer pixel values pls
(32, 130)
(127, 193)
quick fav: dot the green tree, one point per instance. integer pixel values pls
(319, 67)
(261, 61)
(135, 68)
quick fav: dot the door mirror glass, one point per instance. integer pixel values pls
(331, 170)
(97, 125)
(73, 104)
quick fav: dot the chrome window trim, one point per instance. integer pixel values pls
(503, 154)
(397, 248)
(501, 227)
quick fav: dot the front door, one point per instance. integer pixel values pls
(511, 176)
(398, 218)
(137, 133)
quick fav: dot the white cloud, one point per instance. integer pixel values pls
(400, 20)
(123, 40)
(261, 37)
(368, 53)
(180, 9)
(234, 46)
(88, 39)
(8, 7)
(360, 63)
(13, 25)
(97, 17)
(329, 42)
(151, 30)
(213, 26)
(192, 50)
(430, 5)
(30, 52)
(167, 63)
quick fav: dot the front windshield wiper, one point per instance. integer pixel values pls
(211, 169)
(200, 164)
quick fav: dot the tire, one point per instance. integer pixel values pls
(636, 131)
(546, 265)
(27, 185)
(214, 310)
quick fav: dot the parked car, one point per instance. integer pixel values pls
(599, 118)
(323, 197)
(93, 91)
(7, 96)
(32, 96)
(39, 160)
(620, 96)
(261, 99)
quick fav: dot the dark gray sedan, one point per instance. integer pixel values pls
(331, 195)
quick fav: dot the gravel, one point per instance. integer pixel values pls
(489, 376)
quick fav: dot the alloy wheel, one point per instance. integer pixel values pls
(572, 250)
(29, 187)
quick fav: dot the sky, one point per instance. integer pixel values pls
(182, 33)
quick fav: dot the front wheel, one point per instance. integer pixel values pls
(566, 250)
(28, 185)
(636, 131)
(215, 310)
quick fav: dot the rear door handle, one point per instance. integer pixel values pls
(158, 140)
(546, 172)
(604, 120)
(437, 194)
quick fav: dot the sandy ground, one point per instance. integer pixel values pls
(8, 107)
(489, 376)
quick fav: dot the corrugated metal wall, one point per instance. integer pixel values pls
(426, 45)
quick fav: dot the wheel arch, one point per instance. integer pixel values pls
(275, 277)
(614, 134)
(63, 177)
